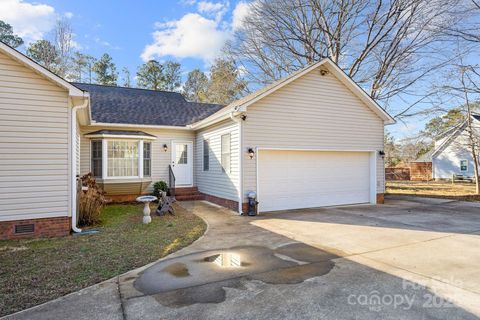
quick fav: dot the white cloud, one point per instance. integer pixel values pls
(31, 21)
(192, 36)
(239, 14)
(105, 43)
(210, 7)
(188, 2)
(68, 15)
(199, 35)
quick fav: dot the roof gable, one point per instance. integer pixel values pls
(242, 104)
(327, 65)
(21, 58)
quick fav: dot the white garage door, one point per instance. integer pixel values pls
(305, 179)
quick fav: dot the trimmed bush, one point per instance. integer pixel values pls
(159, 186)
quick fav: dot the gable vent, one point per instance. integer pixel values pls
(24, 228)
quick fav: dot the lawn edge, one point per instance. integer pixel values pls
(114, 279)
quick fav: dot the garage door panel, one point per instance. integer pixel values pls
(302, 179)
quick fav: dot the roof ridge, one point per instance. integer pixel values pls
(120, 87)
(149, 90)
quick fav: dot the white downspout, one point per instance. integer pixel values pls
(73, 187)
(240, 161)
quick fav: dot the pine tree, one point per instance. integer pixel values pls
(105, 70)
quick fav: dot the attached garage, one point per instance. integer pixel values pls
(289, 179)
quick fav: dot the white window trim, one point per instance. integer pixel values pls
(143, 159)
(223, 171)
(465, 166)
(105, 175)
(203, 154)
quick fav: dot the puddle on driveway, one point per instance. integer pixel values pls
(201, 277)
(226, 260)
(177, 270)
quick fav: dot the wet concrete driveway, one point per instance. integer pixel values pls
(411, 258)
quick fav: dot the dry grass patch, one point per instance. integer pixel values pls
(36, 271)
(435, 189)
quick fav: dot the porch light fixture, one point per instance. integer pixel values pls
(251, 152)
(165, 147)
(381, 153)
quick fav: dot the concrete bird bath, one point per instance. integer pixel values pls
(146, 210)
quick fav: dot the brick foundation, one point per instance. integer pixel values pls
(245, 208)
(230, 204)
(380, 198)
(45, 227)
(119, 198)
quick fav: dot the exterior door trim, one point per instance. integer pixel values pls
(189, 159)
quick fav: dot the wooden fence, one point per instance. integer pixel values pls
(416, 171)
(420, 171)
(397, 173)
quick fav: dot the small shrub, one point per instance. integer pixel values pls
(91, 201)
(159, 186)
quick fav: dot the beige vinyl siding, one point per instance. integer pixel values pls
(160, 159)
(214, 181)
(34, 170)
(312, 112)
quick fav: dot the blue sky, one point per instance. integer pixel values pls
(191, 32)
(188, 31)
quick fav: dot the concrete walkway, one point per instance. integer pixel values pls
(412, 258)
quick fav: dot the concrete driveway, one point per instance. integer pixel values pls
(411, 258)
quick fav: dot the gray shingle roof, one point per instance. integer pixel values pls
(139, 106)
(120, 133)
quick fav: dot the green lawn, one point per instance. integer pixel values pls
(36, 271)
(436, 189)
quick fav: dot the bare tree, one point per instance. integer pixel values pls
(468, 87)
(464, 86)
(467, 30)
(390, 47)
(63, 41)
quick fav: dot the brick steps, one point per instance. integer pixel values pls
(188, 194)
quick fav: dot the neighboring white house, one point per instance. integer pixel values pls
(311, 139)
(452, 154)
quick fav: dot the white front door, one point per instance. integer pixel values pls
(182, 163)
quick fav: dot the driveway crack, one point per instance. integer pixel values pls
(122, 307)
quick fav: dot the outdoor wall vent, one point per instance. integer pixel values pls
(24, 228)
(323, 72)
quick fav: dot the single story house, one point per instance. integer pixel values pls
(451, 154)
(312, 139)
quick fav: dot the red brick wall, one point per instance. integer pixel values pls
(121, 198)
(230, 204)
(46, 227)
(380, 198)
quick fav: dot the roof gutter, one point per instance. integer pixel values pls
(73, 173)
(127, 125)
(233, 116)
(120, 136)
(220, 115)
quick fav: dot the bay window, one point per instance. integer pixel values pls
(97, 158)
(147, 159)
(121, 158)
